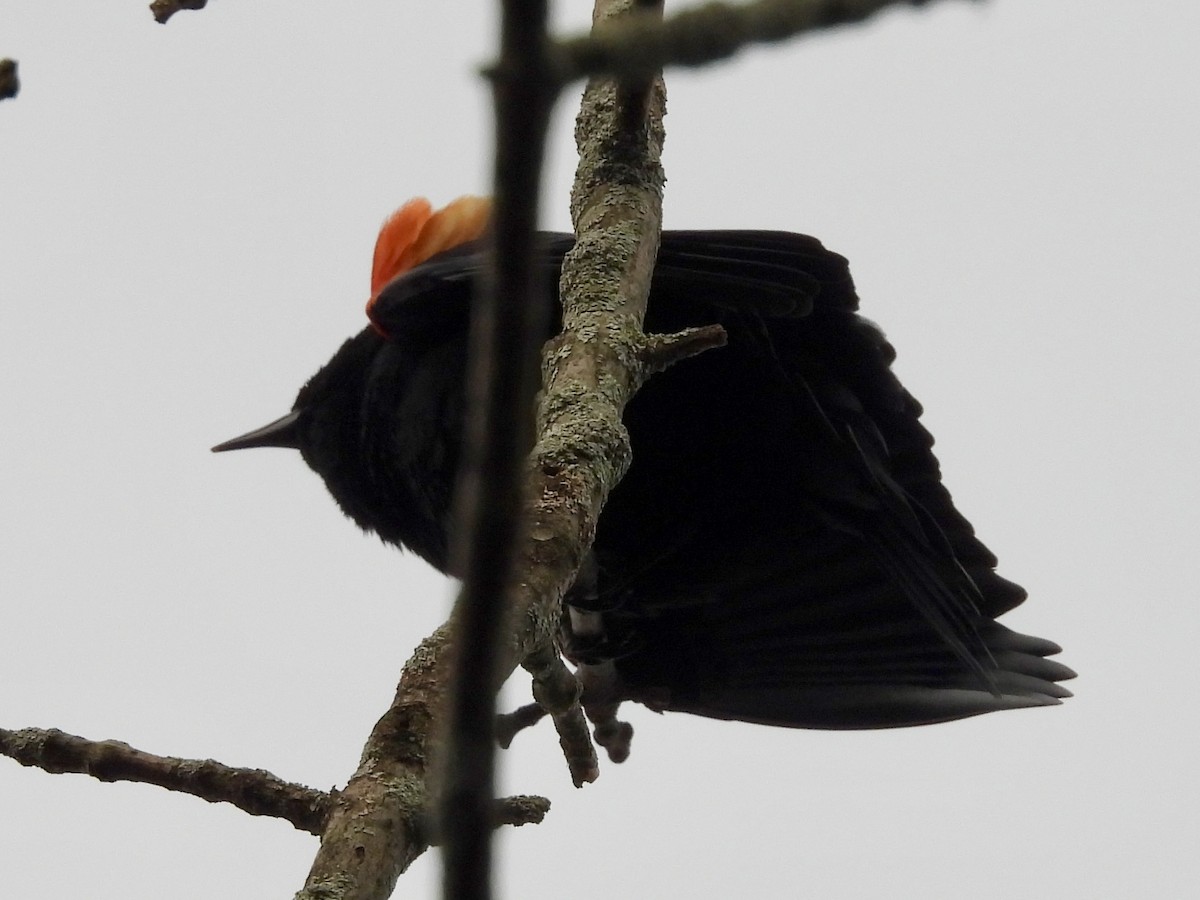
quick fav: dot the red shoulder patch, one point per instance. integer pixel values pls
(396, 238)
(414, 233)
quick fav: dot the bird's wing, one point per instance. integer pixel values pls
(776, 273)
(848, 591)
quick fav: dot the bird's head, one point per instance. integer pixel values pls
(325, 423)
(408, 237)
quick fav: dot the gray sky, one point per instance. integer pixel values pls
(186, 222)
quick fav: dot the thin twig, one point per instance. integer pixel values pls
(10, 84)
(509, 321)
(641, 45)
(254, 791)
(519, 809)
(164, 9)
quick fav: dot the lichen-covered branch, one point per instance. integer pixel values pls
(591, 370)
(255, 791)
(10, 84)
(379, 823)
(641, 45)
(375, 828)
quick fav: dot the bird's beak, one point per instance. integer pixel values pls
(280, 433)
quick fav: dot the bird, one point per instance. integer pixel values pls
(781, 550)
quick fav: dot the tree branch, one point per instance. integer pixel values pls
(254, 791)
(379, 824)
(640, 45)
(375, 828)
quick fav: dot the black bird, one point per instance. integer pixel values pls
(782, 549)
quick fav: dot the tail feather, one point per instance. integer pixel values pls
(780, 684)
(945, 602)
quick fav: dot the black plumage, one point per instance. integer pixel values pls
(782, 549)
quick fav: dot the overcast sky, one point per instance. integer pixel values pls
(187, 215)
